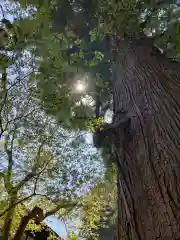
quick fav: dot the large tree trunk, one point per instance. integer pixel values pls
(148, 86)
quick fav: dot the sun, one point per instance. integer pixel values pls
(80, 87)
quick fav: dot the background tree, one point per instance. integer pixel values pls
(37, 154)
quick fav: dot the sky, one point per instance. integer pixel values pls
(57, 225)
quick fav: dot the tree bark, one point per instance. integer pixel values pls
(36, 213)
(9, 217)
(148, 86)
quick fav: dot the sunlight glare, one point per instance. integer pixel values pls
(80, 87)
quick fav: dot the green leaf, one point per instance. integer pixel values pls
(93, 34)
(99, 55)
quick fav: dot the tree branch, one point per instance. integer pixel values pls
(36, 211)
(19, 186)
(28, 177)
(4, 90)
(33, 172)
(2, 10)
(18, 202)
(1, 126)
(58, 207)
(41, 217)
(37, 214)
(8, 184)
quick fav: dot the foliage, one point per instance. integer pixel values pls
(41, 169)
(36, 155)
(20, 211)
(99, 208)
(58, 67)
(70, 57)
(72, 236)
(101, 199)
(96, 124)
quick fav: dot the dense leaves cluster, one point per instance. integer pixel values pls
(96, 124)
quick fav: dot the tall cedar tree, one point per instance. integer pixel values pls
(147, 85)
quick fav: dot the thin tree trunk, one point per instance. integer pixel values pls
(9, 217)
(36, 213)
(148, 86)
(24, 222)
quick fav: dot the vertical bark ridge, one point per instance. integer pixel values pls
(149, 87)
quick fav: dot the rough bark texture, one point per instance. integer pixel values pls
(148, 86)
